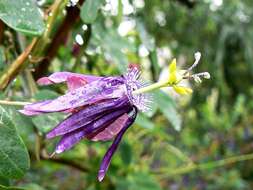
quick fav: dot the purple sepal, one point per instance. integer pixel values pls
(59, 77)
(111, 131)
(70, 139)
(99, 90)
(86, 116)
(108, 155)
(75, 82)
(29, 113)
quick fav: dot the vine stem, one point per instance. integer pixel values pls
(14, 68)
(34, 50)
(13, 103)
(203, 166)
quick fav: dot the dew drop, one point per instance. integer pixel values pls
(79, 39)
(84, 27)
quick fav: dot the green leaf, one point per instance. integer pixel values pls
(10, 188)
(154, 63)
(33, 186)
(137, 181)
(45, 123)
(167, 107)
(22, 16)
(25, 126)
(144, 121)
(45, 95)
(14, 158)
(125, 153)
(4, 181)
(146, 38)
(89, 10)
(113, 44)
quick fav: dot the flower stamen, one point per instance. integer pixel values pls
(175, 77)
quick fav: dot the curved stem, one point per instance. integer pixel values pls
(34, 50)
(16, 66)
(13, 103)
(151, 87)
(204, 166)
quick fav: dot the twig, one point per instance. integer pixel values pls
(67, 163)
(1, 31)
(45, 38)
(16, 66)
(13, 103)
(27, 77)
(44, 157)
(34, 50)
(30, 82)
(204, 166)
(58, 39)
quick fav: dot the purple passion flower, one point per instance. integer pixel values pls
(103, 108)
(100, 109)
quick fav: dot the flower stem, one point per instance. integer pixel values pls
(13, 103)
(204, 166)
(151, 87)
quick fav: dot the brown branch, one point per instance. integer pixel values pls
(67, 163)
(62, 161)
(35, 49)
(188, 3)
(59, 39)
(16, 66)
(1, 31)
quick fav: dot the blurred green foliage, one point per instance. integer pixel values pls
(175, 145)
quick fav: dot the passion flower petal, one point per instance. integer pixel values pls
(173, 72)
(74, 82)
(108, 155)
(111, 131)
(70, 139)
(182, 90)
(87, 115)
(29, 113)
(59, 77)
(93, 92)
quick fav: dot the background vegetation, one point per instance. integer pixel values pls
(202, 141)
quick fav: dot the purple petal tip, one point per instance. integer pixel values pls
(22, 111)
(28, 112)
(101, 175)
(44, 81)
(50, 136)
(59, 150)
